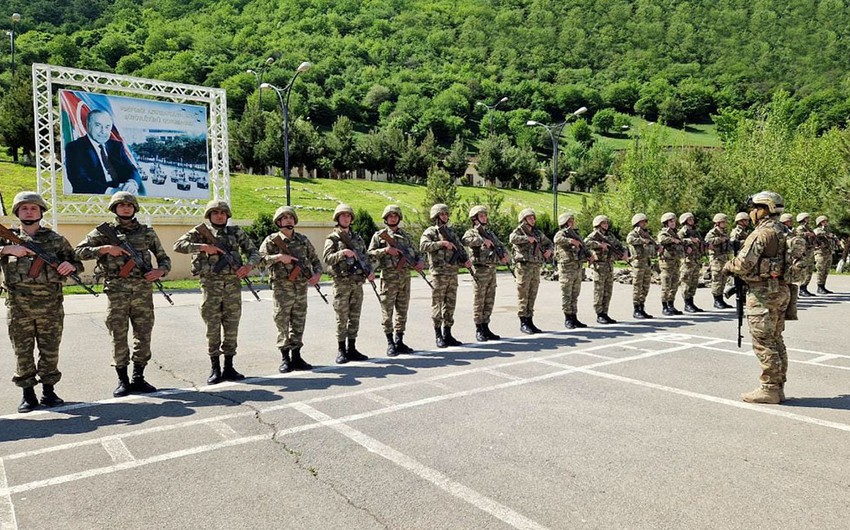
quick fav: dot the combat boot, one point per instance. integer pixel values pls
(690, 307)
(441, 342)
(229, 373)
(578, 323)
(285, 365)
(447, 337)
(123, 388)
(49, 397)
(297, 362)
(667, 311)
(490, 334)
(608, 320)
(341, 357)
(138, 384)
(823, 290)
(804, 291)
(480, 336)
(763, 394)
(643, 310)
(400, 346)
(638, 314)
(524, 327)
(29, 402)
(569, 323)
(352, 352)
(534, 328)
(391, 349)
(215, 370)
(673, 308)
(720, 303)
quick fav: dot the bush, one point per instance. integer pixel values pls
(262, 227)
(364, 225)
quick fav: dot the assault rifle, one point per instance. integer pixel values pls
(407, 254)
(459, 256)
(360, 261)
(297, 268)
(616, 248)
(583, 252)
(498, 248)
(135, 259)
(739, 287)
(41, 255)
(228, 257)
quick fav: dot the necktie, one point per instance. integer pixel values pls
(110, 169)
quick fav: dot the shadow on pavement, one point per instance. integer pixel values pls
(841, 402)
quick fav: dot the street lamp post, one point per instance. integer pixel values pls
(283, 97)
(491, 108)
(554, 133)
(259, 77)
(16, 17)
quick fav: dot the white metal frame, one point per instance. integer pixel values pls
(46, 79)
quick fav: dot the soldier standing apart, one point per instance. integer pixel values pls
(484, 249)
(445, 257)
(605, 248)
(642, 250)
(293, 265)
(221, 284)
(761, 263)
(719, 252)
(824, 249)
(742, 228)
(692, 263)
(669, 261)
(340, 255)
(34, 300)
(795, 264)
(128, 288)
(803, 230)
(571, 254)
(531, 249)
(395, 277)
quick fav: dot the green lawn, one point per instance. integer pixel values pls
(15, 178)
(698, 134)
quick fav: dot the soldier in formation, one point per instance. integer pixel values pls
(34, 300)
(531, 248)
(445, 256)
(221, 282)
(796, 265)
(486, 252)
(719, 245)
(344, 256)
(742, 228)
(606, 249)
(761, 264)
(396, 255)
(642, 250)
(825, 246)
(127, 273)
(571, 255)
(806, 233)
(692, 261)
(293, 265)
(669, 261)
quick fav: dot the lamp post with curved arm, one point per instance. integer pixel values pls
(283, 96)
(258, 75)
(490, 109)
(16, 17)
(555, 133)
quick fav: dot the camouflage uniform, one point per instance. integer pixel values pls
(570, 260)
(348, 281)
(603, 268)
(130, 297)
(642, 250)
(444, 276)
(740, 233)
(34, 305)
(395, 279)
(802, 229)
(824, 250)
(289, 286)
(691, 264)
(719, 252)
(795, 268)
(221, 306)
(669, 261)
(484, 260)
(761, 263)
(529, 262)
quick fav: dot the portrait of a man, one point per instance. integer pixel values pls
(96, 163)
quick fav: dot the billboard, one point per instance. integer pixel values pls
(147, 147)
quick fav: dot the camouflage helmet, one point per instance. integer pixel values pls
(802, 216)
(684, 217)
(341, 209)
(742, 216)
(285, 210)
(217, 204)
(392, 208)
(28, 196)
(638, 217)
(599, 219)
(786, 217)
(668, 217)
(719, 218)
(525, 213)
(773, 201)
(820, 219)
(564, 218)
(437, 209)
(120, 197)
(475, 210)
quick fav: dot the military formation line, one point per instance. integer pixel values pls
(775, 259)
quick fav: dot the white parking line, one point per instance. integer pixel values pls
(118, 452)
(224, 430)
(8, 521)
(381, 400)
(445, 483)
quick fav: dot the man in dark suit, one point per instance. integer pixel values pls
(94, 163)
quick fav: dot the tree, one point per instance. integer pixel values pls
(492, 164)
(17, 131)
(603, 121)
(525, 168)
(341, 147)
(621, 95)
(441, 188)
(363, 224)
(457, 160)
(671, 112)
(247, 136)
(581, 132)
